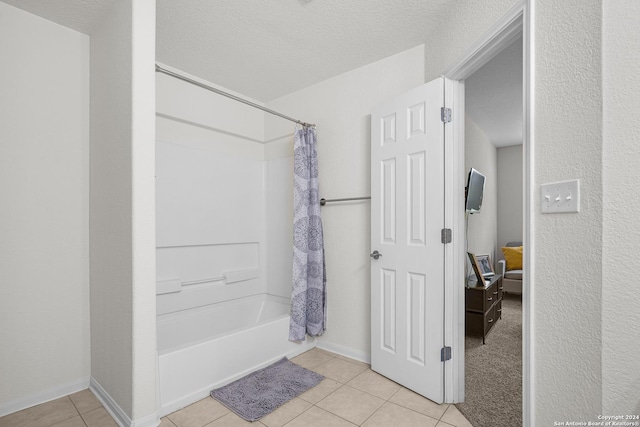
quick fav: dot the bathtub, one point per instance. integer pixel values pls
(207, 347)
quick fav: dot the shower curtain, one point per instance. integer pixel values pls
(309, 295)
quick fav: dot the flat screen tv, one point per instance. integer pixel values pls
(474, 191)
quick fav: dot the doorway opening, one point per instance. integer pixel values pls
(493, 330)
(516, 23)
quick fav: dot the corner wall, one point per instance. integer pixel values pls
(341, 108)
(121, 204)
(143, 212)
(44, 221)
(111, 200)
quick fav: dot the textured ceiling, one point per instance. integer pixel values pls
(266, 49)
(80, 15)
(494, 97)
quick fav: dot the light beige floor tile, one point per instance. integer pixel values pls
(397, 416)
(339, 370)
(232, 420)
(374, 383)
(42, 415)
(354, 361)
(198, 414)
(455, 417)
(322, 390)
(98, 418)
(71, 422)
(85, 401)
(443, 424)
(312, 358)
(166, 422)
(418, 403)
(316, 417)
(345, 358)
(285, 413)
(351, 404)
(327, 352)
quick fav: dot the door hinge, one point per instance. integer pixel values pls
(445, 235)
(445, 354)
(445, 114)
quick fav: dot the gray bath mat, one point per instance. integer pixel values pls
(257, 394)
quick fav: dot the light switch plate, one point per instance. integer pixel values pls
(560, 197)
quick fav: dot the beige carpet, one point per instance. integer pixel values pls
(493, 380)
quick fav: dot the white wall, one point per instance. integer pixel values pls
(121, 207)
(44, 222)
(210, 187)
(621, 203)
(567, 253)
(482, 227)
(509, 196)
(341, 108)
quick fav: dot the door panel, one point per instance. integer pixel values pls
(388, 300)
(389, 200)
(417, 206)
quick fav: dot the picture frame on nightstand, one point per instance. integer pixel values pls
(477, 269)
(484, 263)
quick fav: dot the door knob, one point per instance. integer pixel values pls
(375, 255)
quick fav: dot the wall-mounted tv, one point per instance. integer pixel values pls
(474, 191)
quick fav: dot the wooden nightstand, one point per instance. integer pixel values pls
(483, 306)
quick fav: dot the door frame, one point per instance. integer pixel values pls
(520, 19)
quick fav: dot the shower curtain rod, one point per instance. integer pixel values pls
(159, 69)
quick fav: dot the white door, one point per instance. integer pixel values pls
(407, 216)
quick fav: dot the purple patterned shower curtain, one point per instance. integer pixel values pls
(309, 293)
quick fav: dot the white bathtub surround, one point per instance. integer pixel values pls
(210, 222)
(241, 275)
(219, 317)
(208, 347)
(309, 294)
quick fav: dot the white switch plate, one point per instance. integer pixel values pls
(560, 197)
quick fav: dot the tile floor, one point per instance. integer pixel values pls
(80, 409)
(350, 395)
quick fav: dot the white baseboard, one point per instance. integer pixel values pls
(43, 396)
(151, 420)
(116, 412)
(344, 351)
